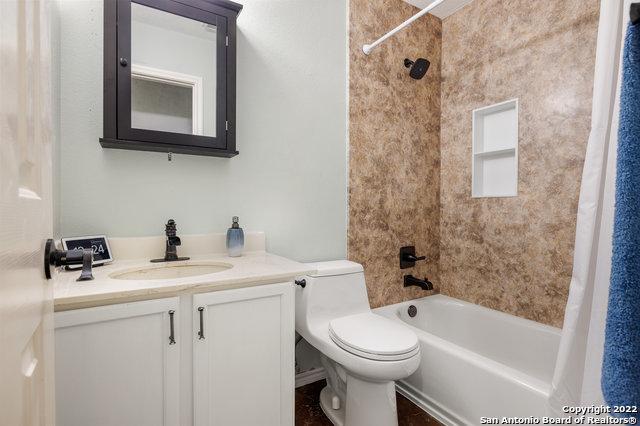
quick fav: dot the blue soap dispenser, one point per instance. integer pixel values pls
(235, 239)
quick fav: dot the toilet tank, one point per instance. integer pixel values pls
(336, 289)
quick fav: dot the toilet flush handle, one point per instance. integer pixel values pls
(302, 283)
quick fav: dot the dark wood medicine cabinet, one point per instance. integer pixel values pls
(170, 76)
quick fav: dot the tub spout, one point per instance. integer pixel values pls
(410, 280)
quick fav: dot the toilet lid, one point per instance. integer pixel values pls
(374, 337)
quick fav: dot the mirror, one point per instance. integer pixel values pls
(170, 76)
(173, 88)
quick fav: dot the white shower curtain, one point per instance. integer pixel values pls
(576, 380)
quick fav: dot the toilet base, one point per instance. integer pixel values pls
(367, 404)
(335, 416)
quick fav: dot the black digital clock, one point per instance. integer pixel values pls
(97, 243)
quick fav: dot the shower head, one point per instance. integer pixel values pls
(418, 68)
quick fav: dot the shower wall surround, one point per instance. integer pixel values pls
(394, 162)
(410, 149)
(516, 254)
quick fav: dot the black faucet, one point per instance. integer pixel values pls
(410, 280)
(173, 241)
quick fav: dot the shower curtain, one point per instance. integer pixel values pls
(576, 380)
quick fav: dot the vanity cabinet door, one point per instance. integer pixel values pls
(244, 356)
(118, 365)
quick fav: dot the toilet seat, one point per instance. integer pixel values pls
(374, 337)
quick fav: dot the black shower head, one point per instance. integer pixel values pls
(418, 68)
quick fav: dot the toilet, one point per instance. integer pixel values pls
(363, 353)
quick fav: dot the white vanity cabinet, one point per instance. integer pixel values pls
(232, 363)
(244, 356)
(116, 365)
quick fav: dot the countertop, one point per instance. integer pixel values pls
(250, 269)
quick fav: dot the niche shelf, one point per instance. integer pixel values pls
(495, 150)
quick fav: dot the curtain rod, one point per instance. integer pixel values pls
(367, 48)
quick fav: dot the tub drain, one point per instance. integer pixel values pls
(413, 311)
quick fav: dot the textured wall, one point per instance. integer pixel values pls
(515, 254)
(290, 177)
(394, 163)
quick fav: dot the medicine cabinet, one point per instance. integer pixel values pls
(170, 76)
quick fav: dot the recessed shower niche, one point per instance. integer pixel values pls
(495, 150)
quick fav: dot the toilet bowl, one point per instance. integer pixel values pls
(363, 353)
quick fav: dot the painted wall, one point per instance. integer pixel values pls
(394, 156)
(516, 254)
(290, 177)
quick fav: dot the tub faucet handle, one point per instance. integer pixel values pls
(408, 257)
(411, 258)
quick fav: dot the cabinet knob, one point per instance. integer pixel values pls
(124, 62)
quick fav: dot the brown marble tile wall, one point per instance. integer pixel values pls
(515, 254)
(394, 161)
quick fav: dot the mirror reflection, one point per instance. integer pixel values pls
(173, 88)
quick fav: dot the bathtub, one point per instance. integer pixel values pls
(476, 362)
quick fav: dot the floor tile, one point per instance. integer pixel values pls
(309, 413)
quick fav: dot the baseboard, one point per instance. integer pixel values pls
(426, 405)
(310, 376)
(405, 390)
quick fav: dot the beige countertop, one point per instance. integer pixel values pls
(250, 269)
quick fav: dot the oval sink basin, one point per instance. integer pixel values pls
(171, 271)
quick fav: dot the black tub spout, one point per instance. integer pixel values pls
(410, 280)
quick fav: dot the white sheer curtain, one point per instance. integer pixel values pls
(576, 380)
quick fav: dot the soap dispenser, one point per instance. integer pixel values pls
(235, 239)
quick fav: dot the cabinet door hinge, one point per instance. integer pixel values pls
(226, 41)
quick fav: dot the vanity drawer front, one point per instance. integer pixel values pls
(244, 356)
(118, 365)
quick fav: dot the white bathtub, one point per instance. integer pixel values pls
(476, 362)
